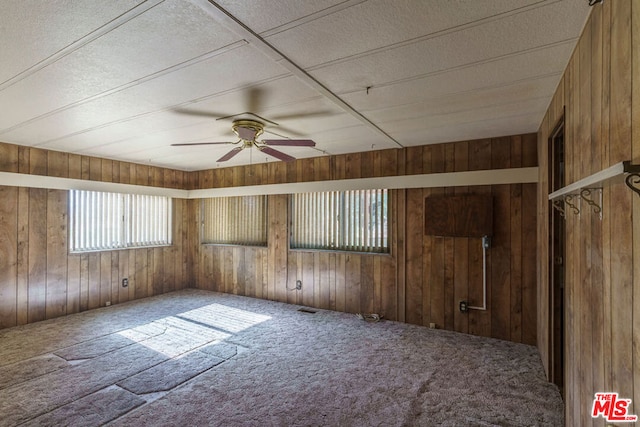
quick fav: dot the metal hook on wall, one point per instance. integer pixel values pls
(633, 180)
(586, 195)
(568, 200)
(557, 204)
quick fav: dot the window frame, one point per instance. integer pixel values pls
(382, 250)
(125, 212)
(250, 244)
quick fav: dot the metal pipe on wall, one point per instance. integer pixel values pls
(486, 244)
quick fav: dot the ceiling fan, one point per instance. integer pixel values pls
(249, 126)
(248, 131)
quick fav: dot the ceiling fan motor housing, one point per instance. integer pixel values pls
(247, 130)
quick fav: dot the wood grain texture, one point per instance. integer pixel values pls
(353, 277)
(500, 265)
(22, 282)
(84, 282)
(599, 91)
(38, 161)
(39, 279)
(414, 255)
(584, 273)
(595, 249)
(635, 155)
(8, 256)
(621, 216)
(458, 215)
(528, 244)
(57, 282)
(93, 287)
(37, 275)
(9, 158)
(421, 280)
(435, 158)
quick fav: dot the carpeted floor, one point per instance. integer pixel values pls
(207, 359)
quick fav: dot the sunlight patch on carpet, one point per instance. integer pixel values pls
(184, 332)
(225, 318)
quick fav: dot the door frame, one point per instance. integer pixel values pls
(557, 257)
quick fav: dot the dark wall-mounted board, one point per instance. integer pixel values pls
(464, 215)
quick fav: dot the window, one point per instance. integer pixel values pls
(341, 220)
(104, 221)
(235, 220)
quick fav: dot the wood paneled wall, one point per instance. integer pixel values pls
(600, 94)
(39, 279)
(423, 279)
(375, 163)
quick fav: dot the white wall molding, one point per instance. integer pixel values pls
(54, 183)
(448, 179)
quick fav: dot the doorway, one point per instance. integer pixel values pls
(557, 257)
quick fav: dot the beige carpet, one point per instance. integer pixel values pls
(207, 359)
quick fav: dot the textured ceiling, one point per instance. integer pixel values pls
(116, 79)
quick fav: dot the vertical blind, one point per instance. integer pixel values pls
(149, 220)
(341, 220)
(235, 220)
(105, 221)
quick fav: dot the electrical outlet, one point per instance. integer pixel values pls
(125, 282)
(107, 304)
(464, 306)
(298, 284)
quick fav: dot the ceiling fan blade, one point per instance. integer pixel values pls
(275, 153)
(246, 133)
(199, 113)
(248, 113)
(321, 113)
(230, 154)
(290, 142)
(283, 129)
(254, 99)
(200, 143)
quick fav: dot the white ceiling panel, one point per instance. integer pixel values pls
(268, 15)
(474, 45)
(200, 80)
(125, 79)
(34, 30)
(463, 102)
(412, 132)
(502, 72)
(380, 24)
(485, 128)
(340, 141)
(156, 40)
